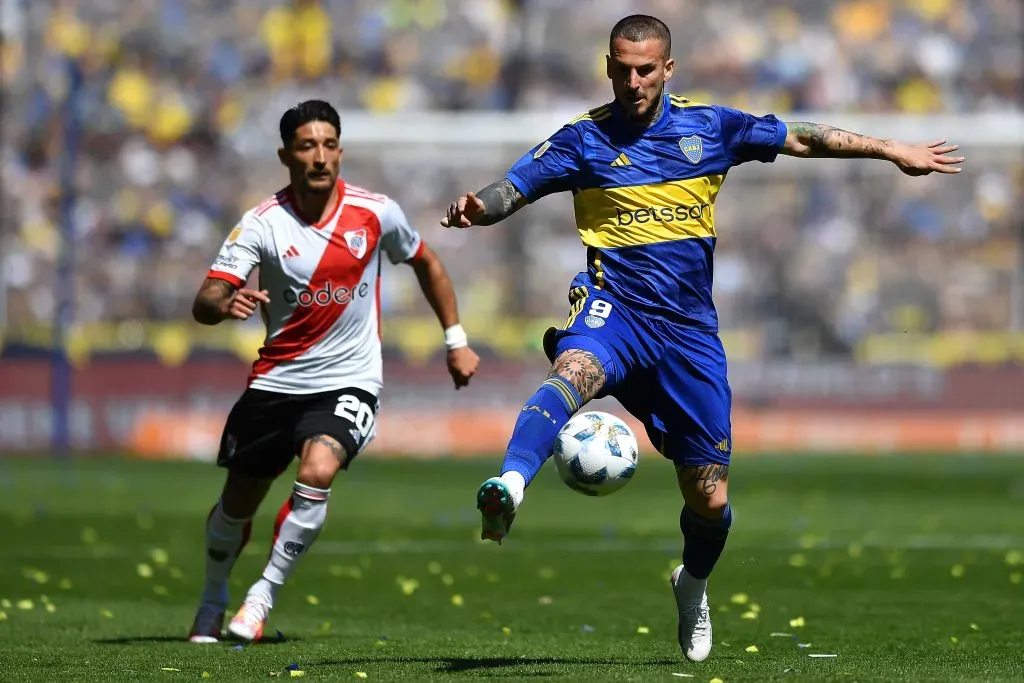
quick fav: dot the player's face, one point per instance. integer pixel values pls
(638, 72)
(314, 157)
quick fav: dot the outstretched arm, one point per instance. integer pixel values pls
(218, 300)
(494, 203)
(439, 293)
(815, 140)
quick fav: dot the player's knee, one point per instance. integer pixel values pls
(243, 493)
(322, 456)
(705, 488)
(582, 369)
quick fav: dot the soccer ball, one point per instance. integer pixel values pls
(595, 453)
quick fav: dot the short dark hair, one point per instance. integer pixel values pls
(637, 28)
(303, 113)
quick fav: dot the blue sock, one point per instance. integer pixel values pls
(543, 415)
(703, 540)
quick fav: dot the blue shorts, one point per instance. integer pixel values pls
(670, 377)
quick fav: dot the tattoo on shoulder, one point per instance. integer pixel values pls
(501, 199)
(582, 369)
(706, 477)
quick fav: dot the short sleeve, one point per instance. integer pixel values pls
(398, 239)
(550, 167)
(751, 138)
(240, 253)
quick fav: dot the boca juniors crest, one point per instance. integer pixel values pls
(356, 241)
(693, 147)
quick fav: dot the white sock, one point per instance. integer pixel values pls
(225, 538)
(516, 486)
(689, 588)
(298, 524)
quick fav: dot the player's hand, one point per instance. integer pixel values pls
(934, 157)
(243, 303)
(465, 212)
(462, 364)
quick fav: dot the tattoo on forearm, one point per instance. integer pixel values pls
(336, 448)
(582, 369)
(207, 306)
(828, 141)
(501, 199)
(706, 477)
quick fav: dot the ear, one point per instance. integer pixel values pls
(670, 67)
(608, 66)
(282, 156)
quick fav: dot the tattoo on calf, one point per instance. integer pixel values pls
(706, 477)
(582, 369)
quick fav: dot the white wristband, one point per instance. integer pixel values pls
(455, 337)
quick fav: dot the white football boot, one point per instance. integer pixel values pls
(694, 621)
(497, 509)
(248, 622)
(208, 624)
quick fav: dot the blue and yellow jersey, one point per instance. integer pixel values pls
(645, 199)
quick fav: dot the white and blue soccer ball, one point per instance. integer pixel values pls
(595, 453)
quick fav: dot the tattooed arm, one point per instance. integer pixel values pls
(494, 203)
(815, 140)
(218, 300)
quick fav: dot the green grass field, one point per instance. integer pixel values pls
(905, 568)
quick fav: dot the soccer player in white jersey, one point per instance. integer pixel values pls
(313, 390)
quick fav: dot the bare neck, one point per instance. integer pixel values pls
(314, 208)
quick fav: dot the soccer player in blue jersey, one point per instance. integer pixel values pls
(645, 171)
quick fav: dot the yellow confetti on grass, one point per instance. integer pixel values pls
(159, 556)
(65, 584)
(144, 570)
(1014, 557)
(408, 586)
(457, 600)
(36, 575)
(26, 604)
(51, 608)
(739, 599)
(808, 541)
(749, 615)
(3, 616)
(6, 604)
(752, 649)
(954, 640)
(106, 613)
(546, 573)
(435, 568)
(797, 560)
(296, 673)
(798, 622)
(448, 579)
(312, 599)
(956, 571)
(505, 630)
(545, 600)
(717, 680)
(755, 608)
(360, 674)
(1016, 577)
(974, 627)
(643, 630)
(169, 668)
(206, 674)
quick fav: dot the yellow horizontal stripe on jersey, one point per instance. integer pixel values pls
(646, 214)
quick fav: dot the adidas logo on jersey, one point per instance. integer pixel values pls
(622, 160)
(292, 252)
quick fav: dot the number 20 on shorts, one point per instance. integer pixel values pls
(355, 411)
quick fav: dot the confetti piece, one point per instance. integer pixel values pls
(804, 645)
(797, 560)
(159, 556)
(717, 680)
(51, 608)
(448, 580)
(821, 655)
(755, 608)
(5, 603)
(739, 599)
(808, 541)
(434, 568)
(65, 584)
(169, 668)
(545, 600)
(679, 675)
(1014, 557)
(957, 571)
(296, 673)
(587, 628)
(89, 536)
(752, 649)
(312, 599)
(206, 674)
(855, 549)
(974, 627)
(1015, 577)
(643, 630)
(506, 630)
(954, 640)
(749, 615)
(3, 616)
(360, 674)
(457, 600)
(106, 613)
(144, 570)
(408, 586)
(780, 634)
(25, 605)
(797, 622)
(325, 627)
(39, 576)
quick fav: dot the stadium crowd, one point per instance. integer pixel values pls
(175, 146)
